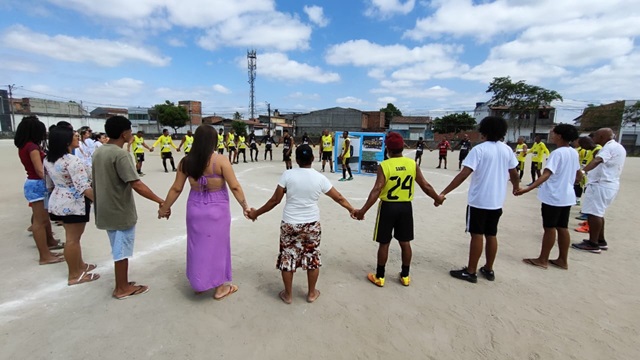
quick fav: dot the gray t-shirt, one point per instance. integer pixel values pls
(113, 171)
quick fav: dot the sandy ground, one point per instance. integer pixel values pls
(588, 312)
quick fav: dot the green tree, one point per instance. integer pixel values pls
(521, 99)
(453, 123)
(171, 115)
(237, 116)
(389, 112)
(240, 127)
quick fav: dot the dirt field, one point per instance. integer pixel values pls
(588, 312)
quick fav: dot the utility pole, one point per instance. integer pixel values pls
(13, 118)
(269, 113)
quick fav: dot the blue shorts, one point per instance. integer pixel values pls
(35, 190)
(122, 243)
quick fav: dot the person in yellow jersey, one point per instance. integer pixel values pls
(186, 143)
(590, 150)
(521, 155)
(394, 187)
(231, 146)
(344, 157)
(577, 188)
(242, 149)
(138, 150)
(166, 143)
(326, 150)
(540, 152)
(221, 141)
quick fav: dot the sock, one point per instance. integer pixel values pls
(380, 271)
(349, 170)
(344, 175)
(405, 271)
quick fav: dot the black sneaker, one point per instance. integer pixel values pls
(488, 274)
(587, 246)
(601, 244)
(462, 274)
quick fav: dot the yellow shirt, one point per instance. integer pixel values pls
(137, 144)
(327, 143)
(581, 153)
(188, 143)
(588, 157)
(230, 138)
(241, 144)
(399, 173)
(220, 141)
(167, 143)
(520, 152)
(347, 154)
(539, 151)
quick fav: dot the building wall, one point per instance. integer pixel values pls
(334, 119)
(196, 110)
(51, 107)
(5, 111)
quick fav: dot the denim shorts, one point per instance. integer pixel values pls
(35, 190)
(122, 243)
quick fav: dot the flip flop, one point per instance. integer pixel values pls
(554, 263)
(91, 267)
(58, 259)
(284, 299)
(530, 262)
(140, 289)
(317, 296)
(58, 246)
(85, 278)
(232, 289)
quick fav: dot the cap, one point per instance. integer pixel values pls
(394, 141)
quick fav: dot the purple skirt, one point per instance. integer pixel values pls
(208, 239)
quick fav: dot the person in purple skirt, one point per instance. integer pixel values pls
(208, 213)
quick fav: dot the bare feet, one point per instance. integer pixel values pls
(284, 297)
(313, 297)
(559, 264)
(224, 290)
(535, 262)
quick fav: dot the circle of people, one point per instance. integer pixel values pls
(67, 175)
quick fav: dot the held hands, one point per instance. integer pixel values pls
(151, 149)
(164, 213)
(439, 200)
(521, 191)
(357, 214)
(251, 214)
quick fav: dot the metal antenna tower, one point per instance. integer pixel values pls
(251, 61)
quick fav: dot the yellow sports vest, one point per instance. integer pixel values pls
(137, 144)
(327, 143)
(581, 153)
(231, 139)
(241, 144)
(347, 154)
(400, 174)
(539, 150)
(188, 143)
(588, 157)
(166, 143)
(220, 141)
(520, 152)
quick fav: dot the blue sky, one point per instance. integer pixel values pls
(426, 57)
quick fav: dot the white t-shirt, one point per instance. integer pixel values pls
(558, 189)
(608, 172)
(490, 162)
(304, 187)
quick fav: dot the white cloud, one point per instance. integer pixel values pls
(301, 95)
(221, 89)
(487, 19)
(17, 65)
(175, 42)
(316, 15)
(349, 100)
(122, 88)
(386, 8)
(383, 101)
(278, 66)
(531, 71)
(276, 31)
(61, 47)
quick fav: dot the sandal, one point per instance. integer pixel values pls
(232, 289)
(140, 289)
(58, 246)
(84, 278)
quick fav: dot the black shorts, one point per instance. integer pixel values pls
(419, 153)
(232, 148)
(286, 155)
(327, 155)
(267, 147)
(536, 165)
(221, 151)
(139, 157)
(167, 155)
(74, 219)
(463, 154)
(443, 157)
(483, 221)
(242, 151)
(254, 147)
(394, 220)
(555, 216)
(520, 165)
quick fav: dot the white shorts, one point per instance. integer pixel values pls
(597, 198)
